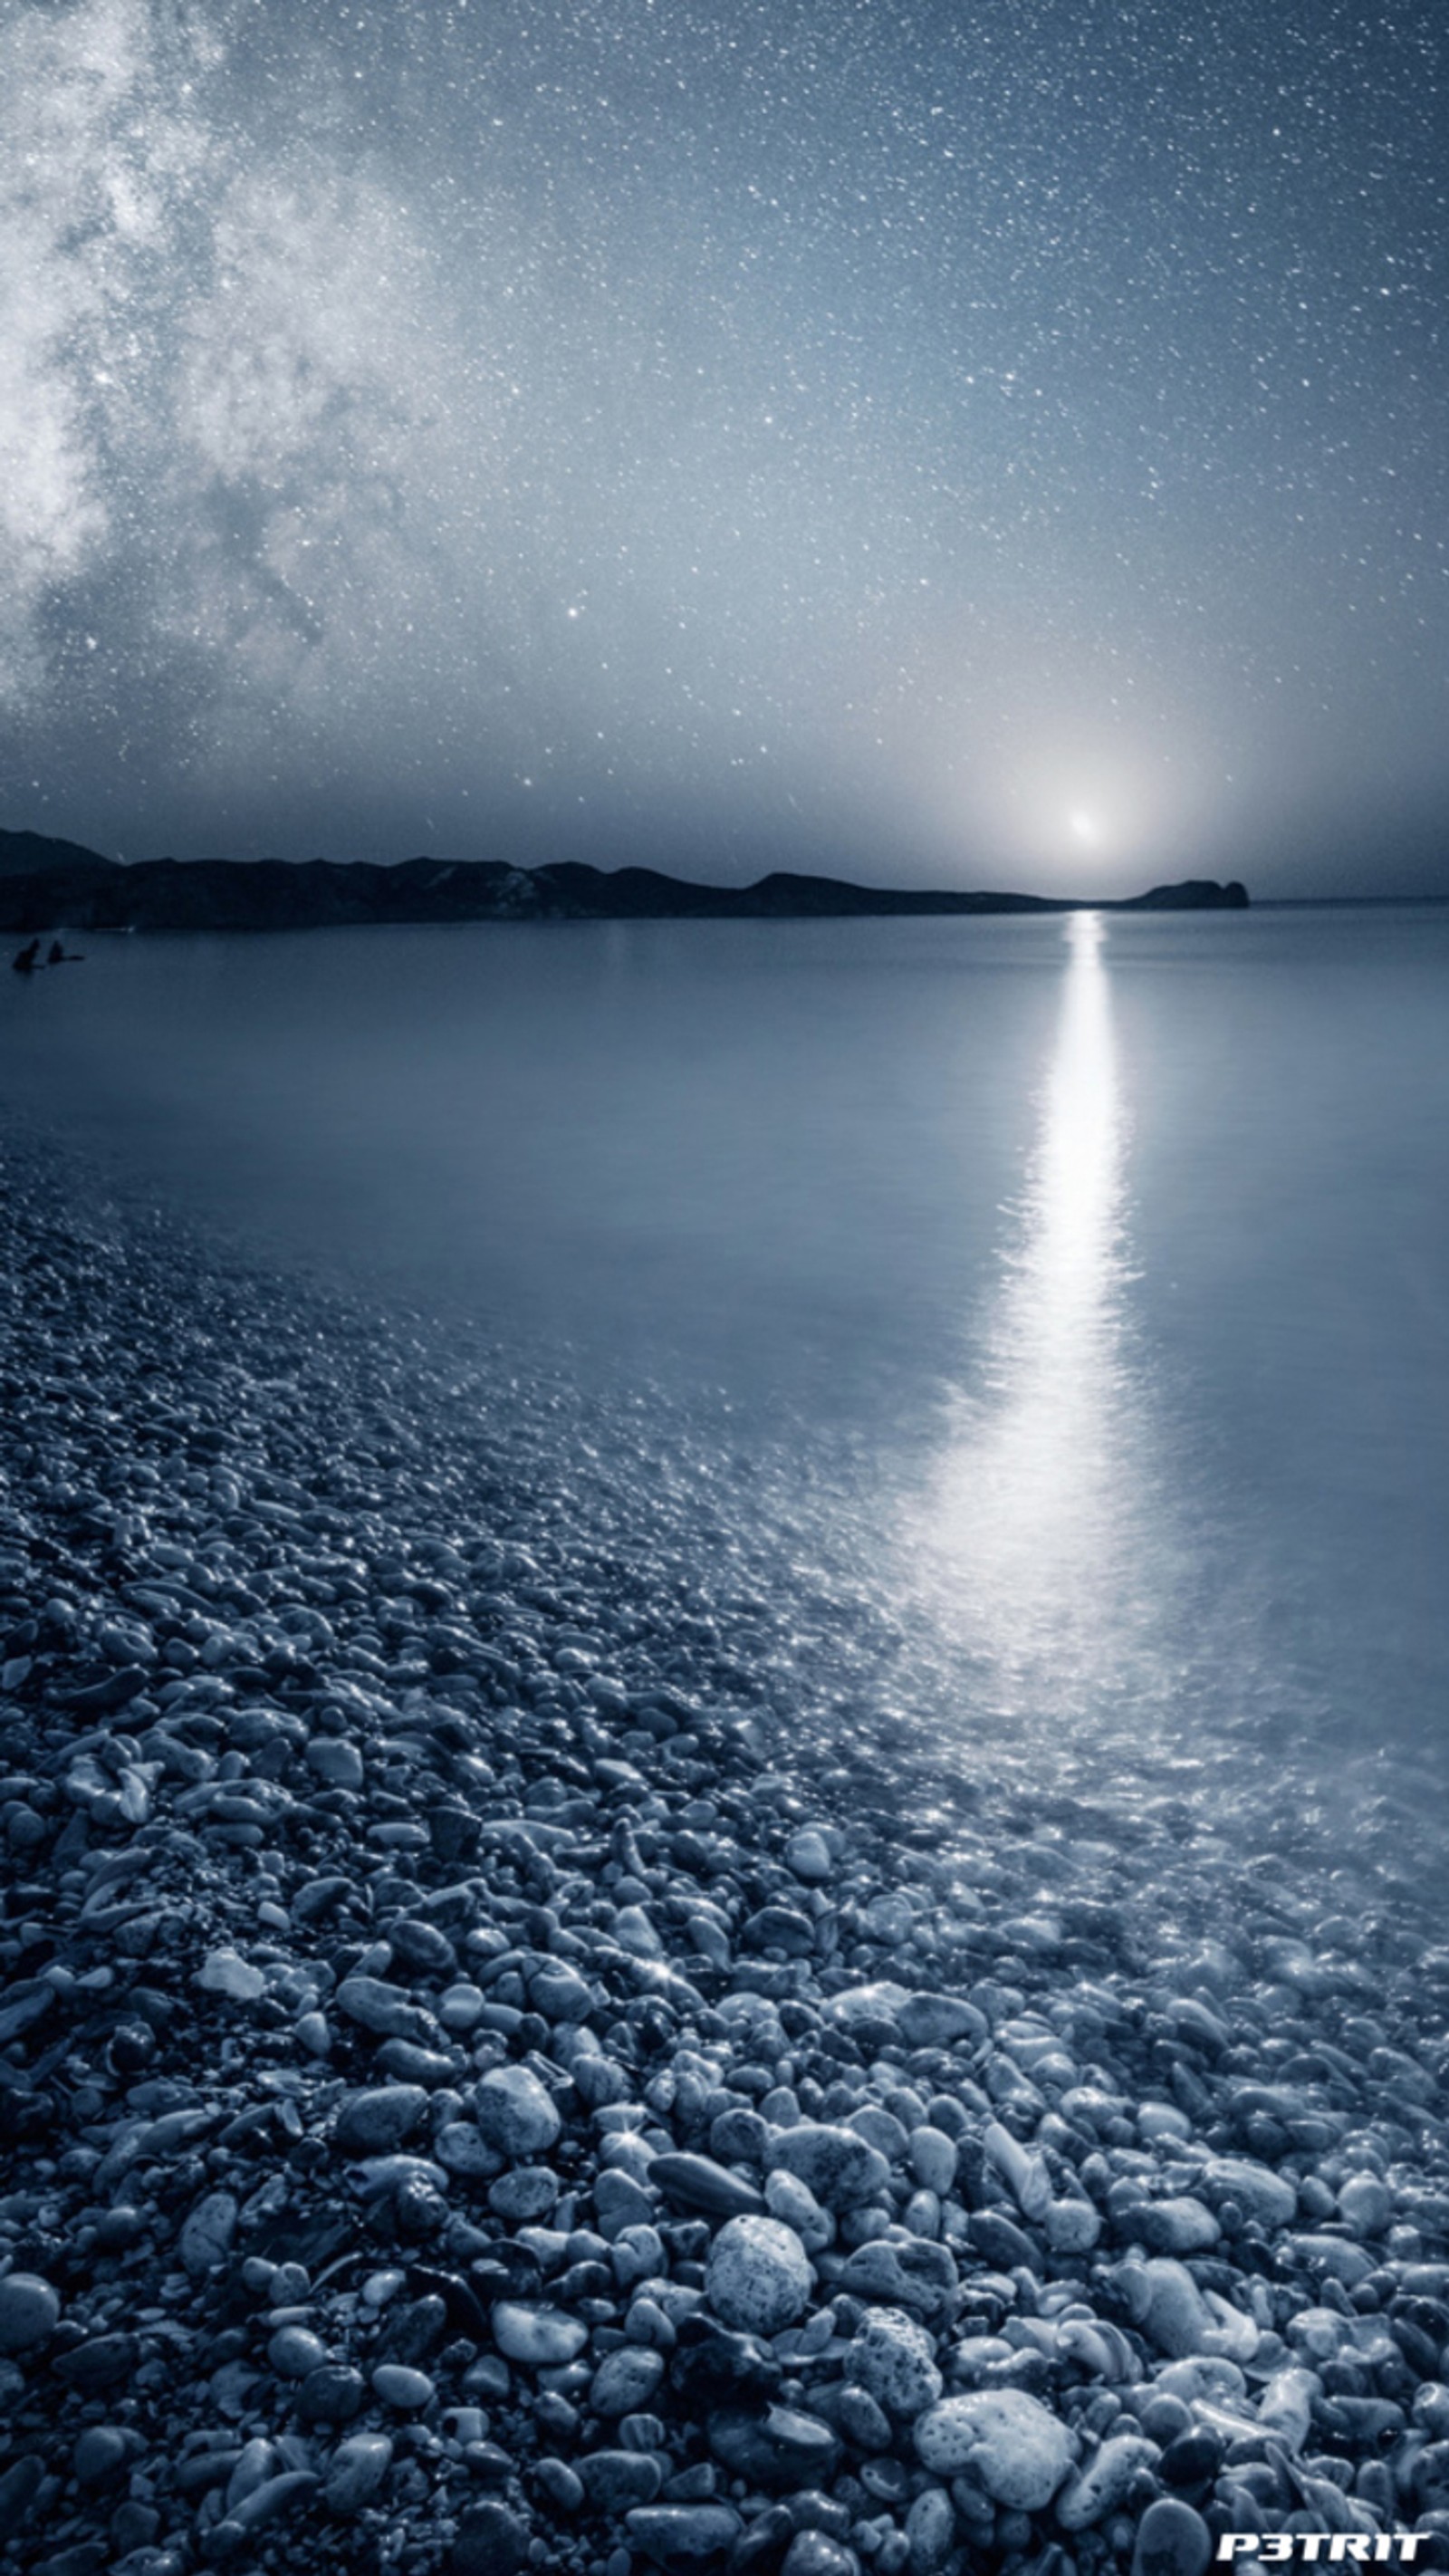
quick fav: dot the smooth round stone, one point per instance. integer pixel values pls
(626, 2381)
(421, 1945)
(758, 2275)
(1071, 2226)
(1162, 2120)
(1174, 2227)
(226, 1973)
(407, 2390)
(560, 1993)
(1285, 2408)
(863, 2420)
(1365, 2204)
(335, 1762)
(295, 2352)
(1259, 2192)
(1008, 2442)
(526, 2194)
(635, 1933)
(916, 2274)
(894, 2360)
(1172, 2540)
(380, 2120)
(515, 2113)
(789, 2200)
(938, 2021)
(462, 2007)
(615, 2480)
(492, 2540)
(814, 2553)
(540, 2338)
(692, 2181)
(933, 2160)
(1103, 2485)
(206, 2237)
(332, 2394)
(838, 2166)
(100, 2453)
(1167, 2304)
(357, 2470)
(460, 2149)
(29, 2311)
(807, 1856)
(683, 2536)
(930, 2529)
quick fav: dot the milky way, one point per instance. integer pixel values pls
(952, 441)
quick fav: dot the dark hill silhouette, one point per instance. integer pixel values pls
(44, 883)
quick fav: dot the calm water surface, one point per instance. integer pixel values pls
(1116, 1252)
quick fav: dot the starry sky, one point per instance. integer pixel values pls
(995, 442)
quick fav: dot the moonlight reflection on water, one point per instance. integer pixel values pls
(1045, 1531)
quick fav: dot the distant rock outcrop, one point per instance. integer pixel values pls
(45, 882)
(26, 854)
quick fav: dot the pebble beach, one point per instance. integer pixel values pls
(540, 2029)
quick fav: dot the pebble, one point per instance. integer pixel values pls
(208, 2233)
(1172, 2540)
(356, 2471)
(625, 2381)
(409, 2391)
(894, 2359)
(227, 1973)
(516, 2114)
(375, 2122)
(681, 2537)
(29, 2312)
(541, 2338)
(758, 2276)
(492, 2540)
(839, 2168)
(477, 2066)
(1017, 2451)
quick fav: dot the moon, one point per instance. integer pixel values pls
(1085, 828)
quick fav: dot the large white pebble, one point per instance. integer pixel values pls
(1008, 2442)
(758, 2275)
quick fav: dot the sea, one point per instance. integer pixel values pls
(1087, 1275)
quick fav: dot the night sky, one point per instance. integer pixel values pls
(971, 444)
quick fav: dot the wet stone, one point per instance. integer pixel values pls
(698, 2182)
(613, 2481)
(333, 2393)
(893, 2359)
(492, 2540)
(101, 2453)
(356, 2471)
(294, 2352)
(375, 2122)
(837, 2166)
(29, 2312)
(1013, 2447)
(540, 2338)
(207, 2235)
(625, 2381)
(516, 2114)
(409, 2391)
(335, 1761)
(814, 2553)
(683, 2537)
(1172, 2540)
(758, 2276)
(385, 2010)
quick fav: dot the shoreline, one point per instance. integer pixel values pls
(491, 2079)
